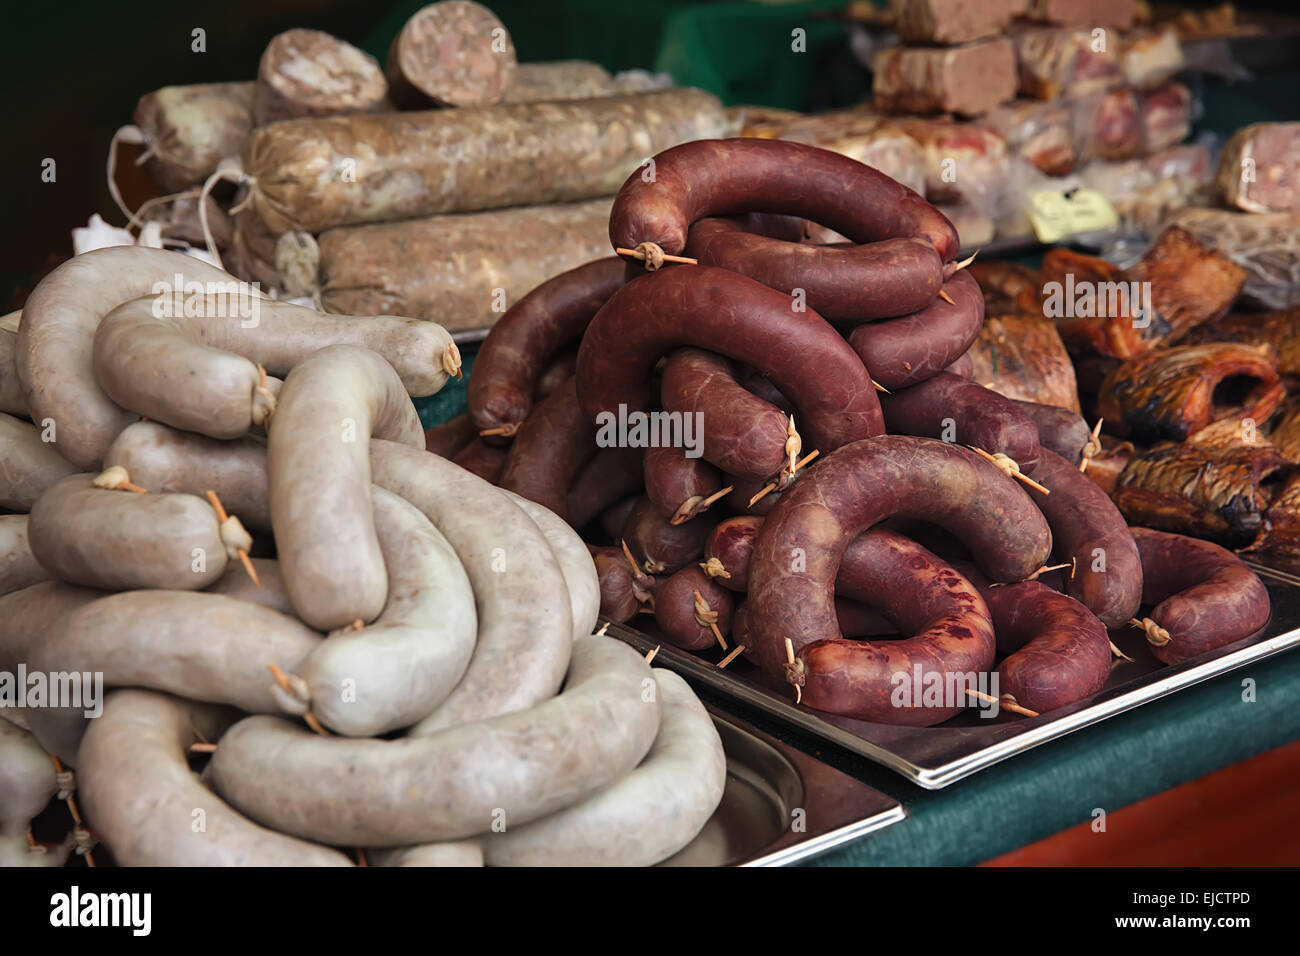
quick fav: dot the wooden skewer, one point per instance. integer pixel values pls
(707, 616)
(734, 653)
(31, 839)
(361, 857)
(638, 254)
(880, 388)
(771, 485)
(72, 808)
(789, 656)
(1118, 653)
(116, 478)
(694, 505)
(1157, 636)
(714, 568)
(946, 297)
(627, 553)
(602, 630)
(505, 431)
(1005, 703)
(282, 679)
(965, 262)
(203, 748)
(1033, 577)
(651, 656)
(1091, 446)
(222, 517)
(1009, 467)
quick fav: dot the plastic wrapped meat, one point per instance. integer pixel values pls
(1267, 246)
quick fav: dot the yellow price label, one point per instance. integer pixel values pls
(1057, 215)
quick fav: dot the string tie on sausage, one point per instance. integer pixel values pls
(290, 692)
(451, 361)
(714, 568)
(67, 783)
(84, 840)
(235, 537)
(263, 400)
(652, 254)
(1157, 636)
(116, 478)
(704, 614)
(1092, 447)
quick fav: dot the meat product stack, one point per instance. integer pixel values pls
(740, 426)
(342, 198)
(416, 665)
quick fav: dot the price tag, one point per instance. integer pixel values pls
(1057, 215)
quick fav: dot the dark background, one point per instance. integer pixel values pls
(73, 71)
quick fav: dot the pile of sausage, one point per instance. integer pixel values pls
(229, 517)
(441, 185)
(866, 486)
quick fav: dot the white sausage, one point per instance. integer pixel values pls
(642, 818)
(318, 466)
(394, 672)
(139, 794)
(575, 562)
(525, 627)
(454, 784)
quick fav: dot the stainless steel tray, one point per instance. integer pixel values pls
(770, 786)
(935, 757)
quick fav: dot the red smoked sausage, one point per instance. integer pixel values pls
(743, 433)
(1089, 533)
(718, 177)
(955, 409)
(799, 550)
(1204, 595)
(904, 351)
(841, 282)
(1058, 652)
(723, 311)
(517, 350)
